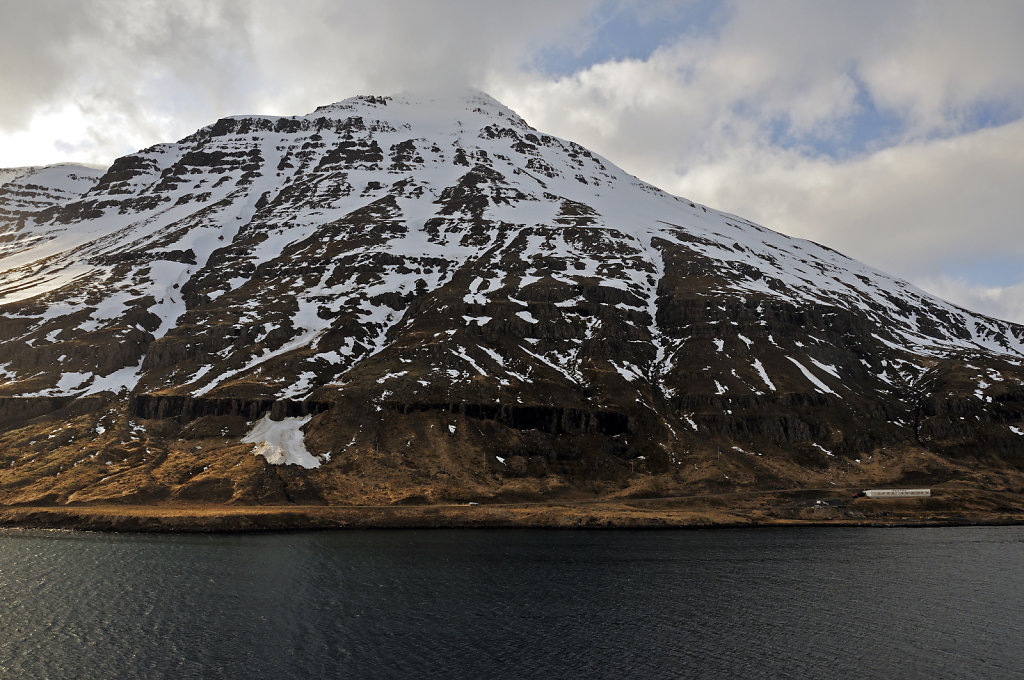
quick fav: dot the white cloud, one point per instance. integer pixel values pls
(902, 209)
(151, 70)
(115, 73)
(946, 57)
(698, 118)
(318, 51)
(702, 116)
(1001, 302)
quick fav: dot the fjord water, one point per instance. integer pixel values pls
(799, 603)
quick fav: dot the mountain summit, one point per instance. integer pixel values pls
(418, 299)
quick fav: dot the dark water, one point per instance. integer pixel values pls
(778, 603)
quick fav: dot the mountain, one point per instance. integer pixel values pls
(421, 300)
(26, 191)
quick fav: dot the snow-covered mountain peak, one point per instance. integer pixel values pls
(445, 106)
(74, 178)
(30, 191)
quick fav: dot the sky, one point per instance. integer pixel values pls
(892, 131)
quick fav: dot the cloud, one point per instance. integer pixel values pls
(35, 40)
(946, 58)
(142, 71)
(892, 131)
(1005, 302)
(128, 72)
(903, 209)
(748, 119)
(318, 51)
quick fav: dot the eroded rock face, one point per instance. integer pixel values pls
(464, 307)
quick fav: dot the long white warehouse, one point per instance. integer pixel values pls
(897, 493)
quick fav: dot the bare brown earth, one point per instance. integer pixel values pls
(949, 506)
(62, 471)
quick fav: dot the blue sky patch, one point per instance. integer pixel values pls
(634, 30)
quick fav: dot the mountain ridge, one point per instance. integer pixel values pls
(435, 300)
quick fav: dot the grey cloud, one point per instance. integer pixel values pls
(907, 210)
(1000, 302)
(389, 47)
(133, 69)
(148, 69)
(37, 45)
(696, 117)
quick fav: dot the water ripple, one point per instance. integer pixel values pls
(852, 603)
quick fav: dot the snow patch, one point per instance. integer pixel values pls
(764, 375)
(281, 441)
(527, 317)
(828, 368)
(822, 387)
(824, 450)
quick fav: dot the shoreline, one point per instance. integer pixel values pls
(610, 515)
